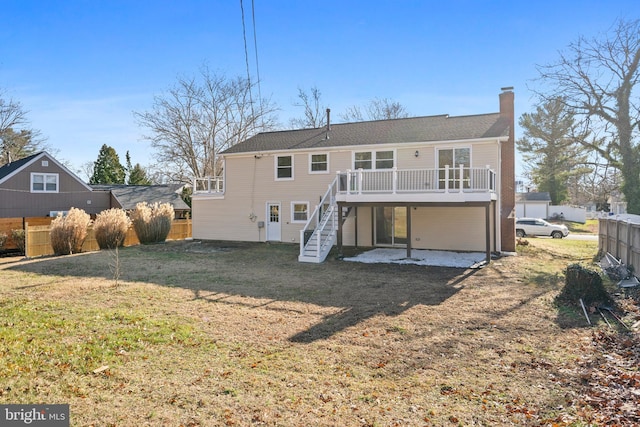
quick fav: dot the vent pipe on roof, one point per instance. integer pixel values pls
(328, 122)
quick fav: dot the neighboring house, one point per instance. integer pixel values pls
(533, 205)
(38, 185)
(435, 182)
(128, 196)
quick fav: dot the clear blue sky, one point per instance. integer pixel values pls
(82, 67)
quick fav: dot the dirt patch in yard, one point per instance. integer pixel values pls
(271, 341)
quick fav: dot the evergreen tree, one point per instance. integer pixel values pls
(107, 169)
(138, 176)
(551, 149)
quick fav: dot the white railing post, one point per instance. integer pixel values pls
(395, 180)
(360, 178)
(348, 181)
(446, 178)
(460, 179)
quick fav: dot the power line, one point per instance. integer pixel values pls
(246, 58)
(255, 44)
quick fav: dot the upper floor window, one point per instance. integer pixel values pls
(374, 160)
(44, 182)
(318, 163)
(284, 167)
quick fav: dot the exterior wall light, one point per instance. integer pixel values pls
(417, 153)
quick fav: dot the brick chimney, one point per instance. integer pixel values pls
(507, 174)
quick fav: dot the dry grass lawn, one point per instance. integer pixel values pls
(216, 333)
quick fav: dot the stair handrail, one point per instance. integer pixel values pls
(328, 198)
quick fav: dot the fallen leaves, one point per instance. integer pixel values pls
(611, 378)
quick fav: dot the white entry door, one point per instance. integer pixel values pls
(274, 231)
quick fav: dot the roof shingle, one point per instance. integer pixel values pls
(396, 131)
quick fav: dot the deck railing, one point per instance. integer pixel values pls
(210, 184)
(439, 180)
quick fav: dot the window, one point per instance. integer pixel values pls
(454, 158)
(362, 161)
(44, 182)
(384, 160)
(284, 167)
(318, 163)
(299, 211)
(369, 159)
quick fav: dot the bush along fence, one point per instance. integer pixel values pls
(38, 237)
(620, 236)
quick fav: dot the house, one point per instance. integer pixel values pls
(533, 204)
(38, 185)
(436, 182)
(128, 196)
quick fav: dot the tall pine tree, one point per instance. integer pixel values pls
(107, 169)
(550, 148)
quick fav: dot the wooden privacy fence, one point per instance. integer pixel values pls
(7, 225)
(620, 236)
(38, 242)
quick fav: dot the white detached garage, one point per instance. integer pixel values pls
(533, 205)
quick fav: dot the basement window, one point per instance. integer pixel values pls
(299, 211)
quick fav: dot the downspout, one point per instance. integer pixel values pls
(498, 217)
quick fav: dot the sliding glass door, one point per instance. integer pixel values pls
(390, 226)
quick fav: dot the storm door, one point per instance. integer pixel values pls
(274, 230)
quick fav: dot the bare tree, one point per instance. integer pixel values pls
(200, 117)
(314, 112)
(17, 140)
(376, 109)
(598, 79)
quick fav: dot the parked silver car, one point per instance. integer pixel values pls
(540, 227)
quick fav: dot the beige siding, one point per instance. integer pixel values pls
(250, 183)
(449, 228)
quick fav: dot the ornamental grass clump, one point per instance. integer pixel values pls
(69, 232)
(17, 235)
(110, 228)
(152, 222)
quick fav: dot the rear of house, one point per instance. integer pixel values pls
(436, 182)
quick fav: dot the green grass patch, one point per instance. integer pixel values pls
(53, 338)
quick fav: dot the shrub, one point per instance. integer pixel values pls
(581, 282)
(152, 222)
(110, 228)
(3, 239)
(18, 238)
(69, 232)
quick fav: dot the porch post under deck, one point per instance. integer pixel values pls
(339, 230)
(355, 212)
(408, 231)
(487, 218)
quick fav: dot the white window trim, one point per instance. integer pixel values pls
(293, 220)
(374, 158)
(310, 163)
(275, 167)
(44, 182)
